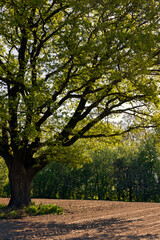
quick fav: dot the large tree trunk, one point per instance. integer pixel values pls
(20, 185)
(21, 173)
(22, 169)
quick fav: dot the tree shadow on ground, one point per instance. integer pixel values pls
(114, 229)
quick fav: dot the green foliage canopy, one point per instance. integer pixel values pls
(67, 65)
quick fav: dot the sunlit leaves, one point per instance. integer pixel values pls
(67, 65)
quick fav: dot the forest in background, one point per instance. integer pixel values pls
(127, 170)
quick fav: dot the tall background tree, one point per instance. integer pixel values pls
(66, 66)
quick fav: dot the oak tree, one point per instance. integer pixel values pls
(64, 67)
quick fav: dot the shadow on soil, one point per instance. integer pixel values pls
(114, 229)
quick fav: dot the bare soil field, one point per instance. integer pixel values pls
(87, 219)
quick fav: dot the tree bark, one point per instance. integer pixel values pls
(21, 174)
(20, 185)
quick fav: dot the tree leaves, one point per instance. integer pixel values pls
(66, 66)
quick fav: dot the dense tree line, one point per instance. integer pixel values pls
(130, 172)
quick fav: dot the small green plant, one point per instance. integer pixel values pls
(31, 210)
(3, 215)
(43, 209)
(9, 214)
(2, 206)
(13, 214)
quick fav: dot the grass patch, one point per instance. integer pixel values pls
(43, 209)
(31, 210)
(2, 206)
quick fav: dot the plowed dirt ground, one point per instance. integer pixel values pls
(87, 219)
